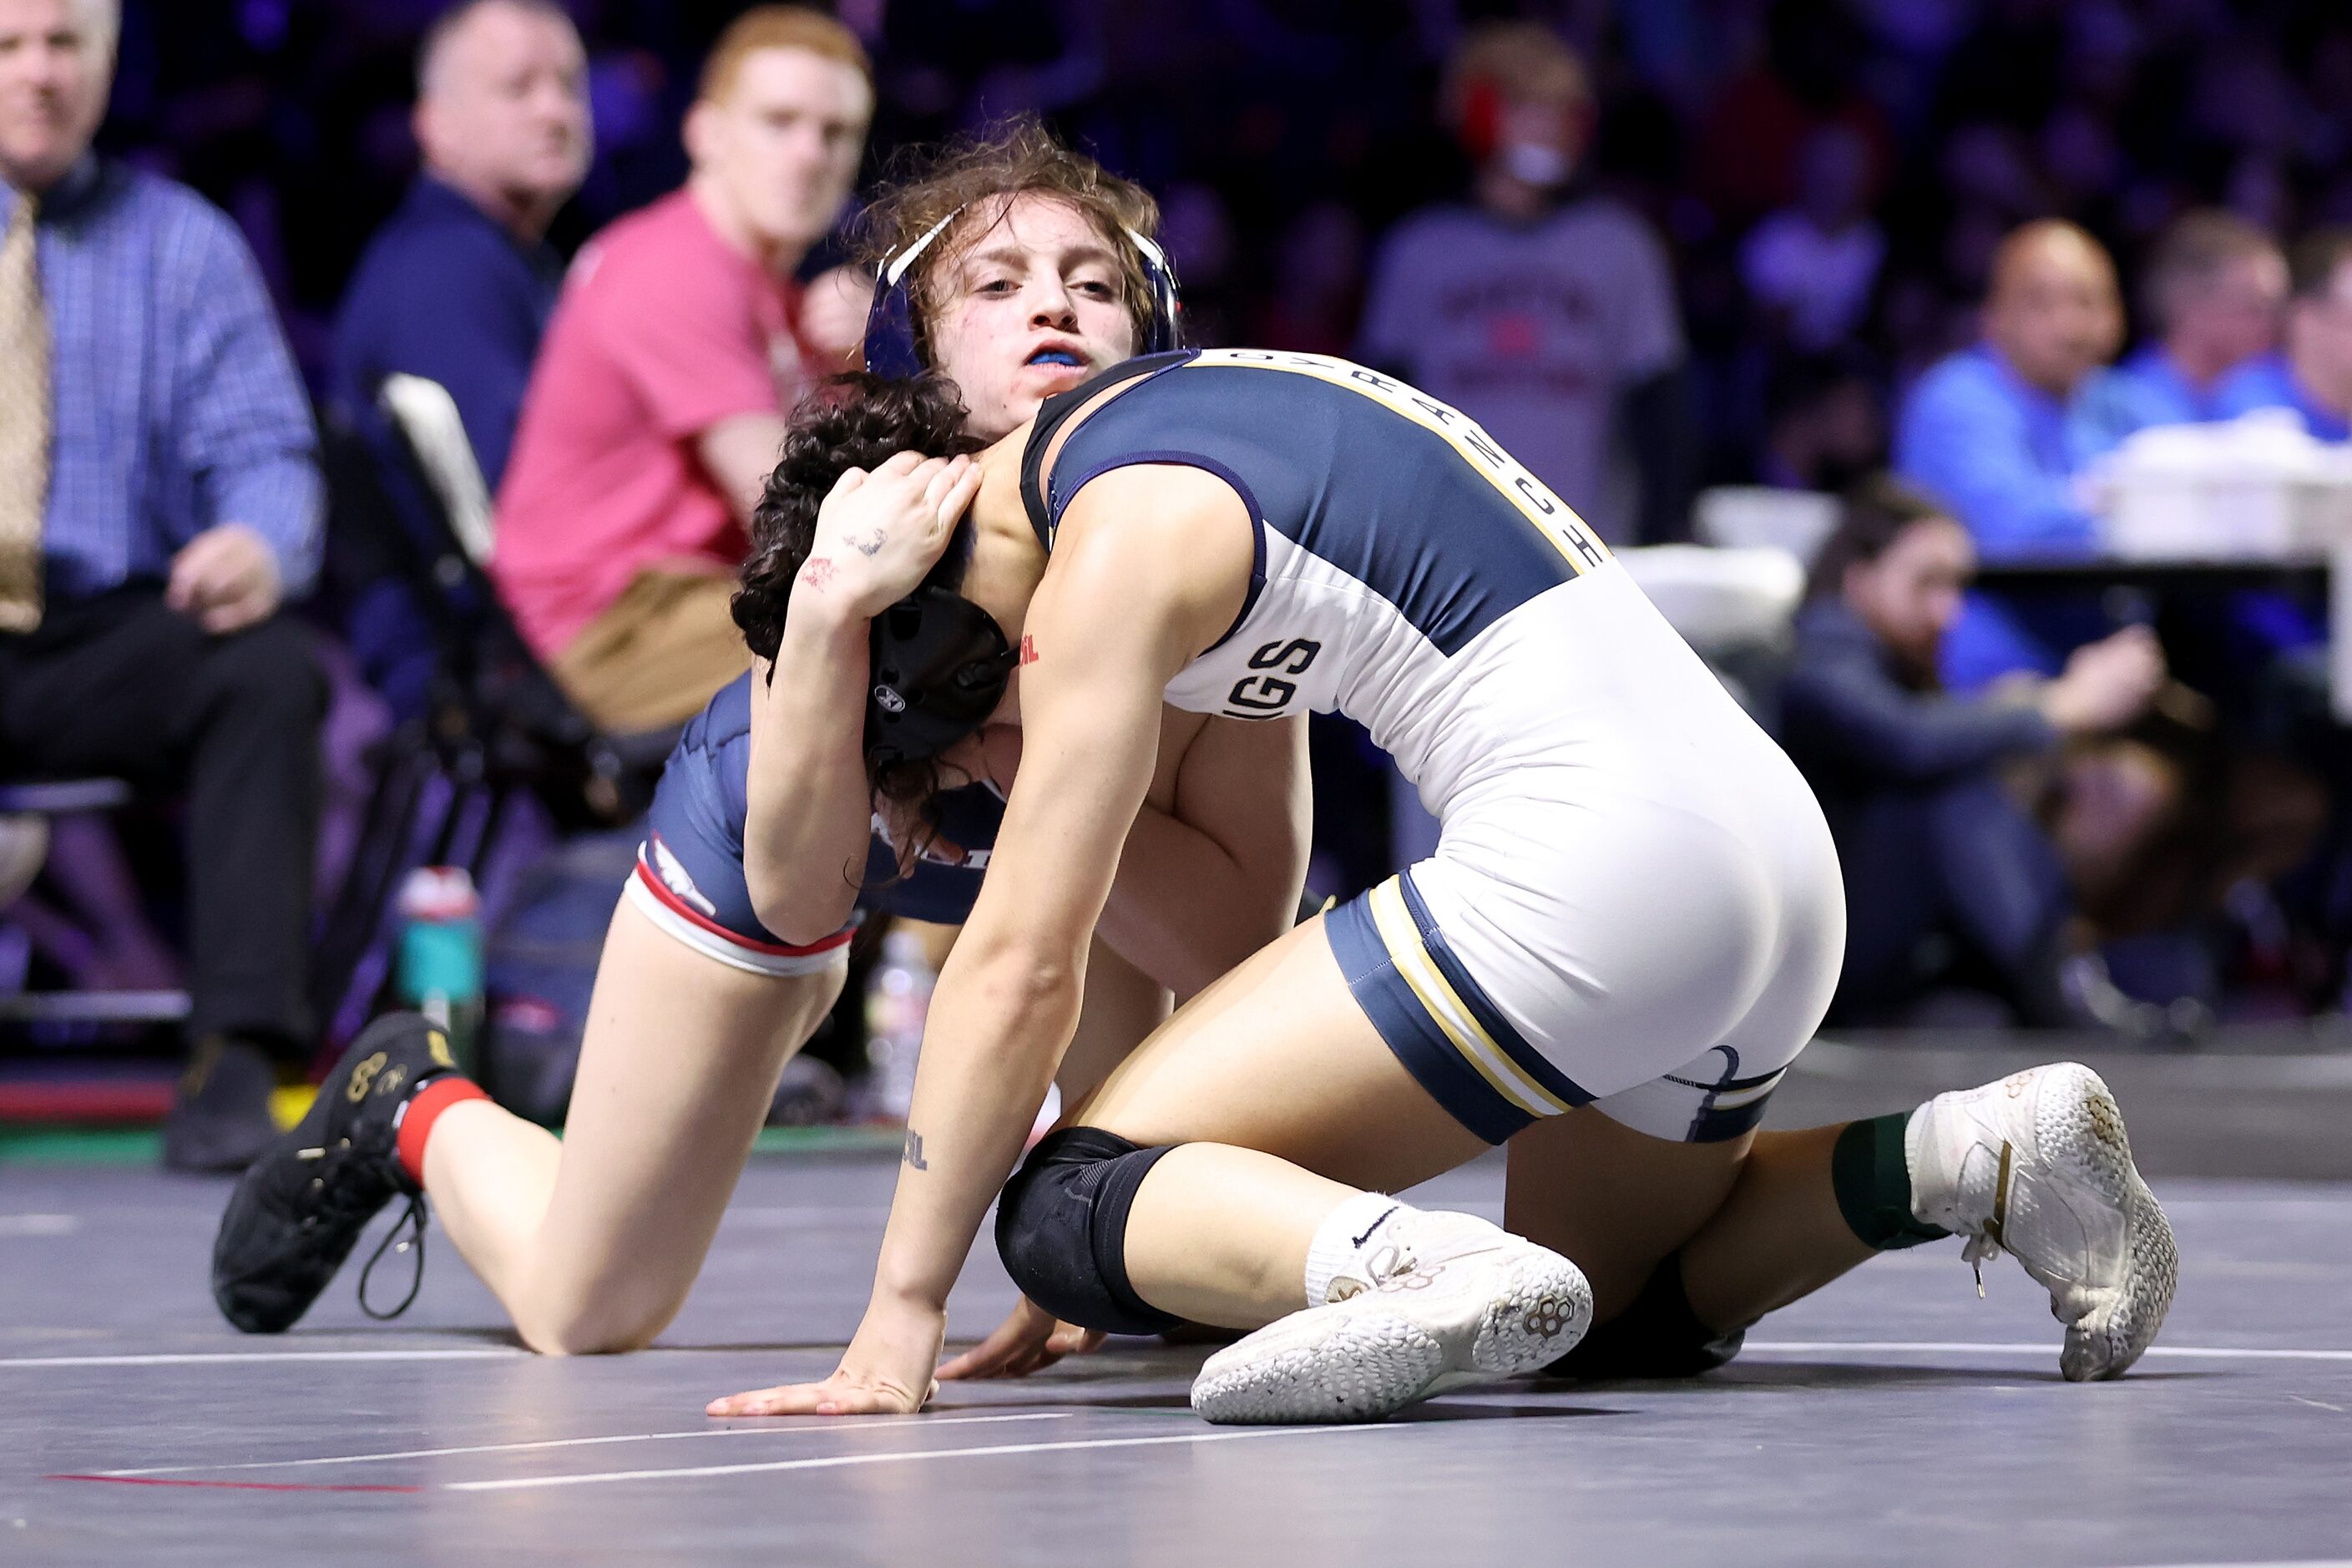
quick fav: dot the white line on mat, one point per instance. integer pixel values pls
(198, 1358)
(837, 1461)
(793, 1430)
(1956, 1347)
(1764, 1347)
(39, 1225)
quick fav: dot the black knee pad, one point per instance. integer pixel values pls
(1061, 1229)
(1657, 1336)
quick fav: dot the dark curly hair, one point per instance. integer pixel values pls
(851, 421)
(855, 420)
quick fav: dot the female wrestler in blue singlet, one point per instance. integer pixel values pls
(1019, 269)
(1631, 925)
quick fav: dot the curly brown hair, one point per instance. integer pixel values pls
(1019, 157)
(851, 421)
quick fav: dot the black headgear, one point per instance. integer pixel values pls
(890, 342)
(940, 664)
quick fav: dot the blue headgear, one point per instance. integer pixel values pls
(890, 325)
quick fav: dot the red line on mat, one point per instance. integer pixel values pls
(232, 1485)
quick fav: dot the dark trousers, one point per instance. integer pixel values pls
(124, 686)
(1958, 861)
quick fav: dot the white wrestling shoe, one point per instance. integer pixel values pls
(1452, 1302)
(2038, 1165)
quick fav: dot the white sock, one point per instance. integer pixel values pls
(1348, 1233)
(1914, 1146)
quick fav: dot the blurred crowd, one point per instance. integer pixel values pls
(1829, 177)
(1652, 247)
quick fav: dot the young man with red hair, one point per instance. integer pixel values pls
(658, 402)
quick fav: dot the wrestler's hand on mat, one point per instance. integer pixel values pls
(878, 532)
(1029, 1341)
(887, 1370)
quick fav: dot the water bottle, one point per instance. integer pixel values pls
(438, 970)
(898, 1001)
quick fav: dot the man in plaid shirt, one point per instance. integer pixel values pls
(159, 500)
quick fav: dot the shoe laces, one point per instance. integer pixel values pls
(411, 1220)
(1985, 1245)
(1980, 1250)
(1392, 1260)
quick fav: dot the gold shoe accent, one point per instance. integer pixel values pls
(1993, 1231)
(362, 1075)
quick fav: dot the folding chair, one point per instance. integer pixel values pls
(27, 806)
(496, 723)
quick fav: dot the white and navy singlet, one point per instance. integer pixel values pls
(1635, 902)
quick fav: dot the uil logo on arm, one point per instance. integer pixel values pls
(913, 1153)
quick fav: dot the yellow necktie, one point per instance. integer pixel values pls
(24, 421)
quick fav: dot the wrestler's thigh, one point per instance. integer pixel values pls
(679, 1065)
(1278, 1057)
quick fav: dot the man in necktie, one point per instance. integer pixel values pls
(159, 499)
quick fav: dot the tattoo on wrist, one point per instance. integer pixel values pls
(1028, 648)
(913, 1153)
(817, 573)
(871, 547)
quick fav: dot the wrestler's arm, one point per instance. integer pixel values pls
(810, 812)
(1217, 876)
(1213, 867)
(1009, 999)
(1211, 873)
(810, 809)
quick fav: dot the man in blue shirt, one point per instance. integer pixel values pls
(2215, 286)
(2314, 375)
(159, 499)
(1996, 432)
(457, 287)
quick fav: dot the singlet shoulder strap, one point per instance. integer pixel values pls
(1057, 411)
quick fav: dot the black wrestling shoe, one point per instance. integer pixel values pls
(301, 1208)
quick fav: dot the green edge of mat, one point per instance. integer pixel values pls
(48, 1145)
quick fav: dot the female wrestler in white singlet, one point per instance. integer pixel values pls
(1631, 926)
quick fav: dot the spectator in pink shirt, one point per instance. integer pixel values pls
(657, 403)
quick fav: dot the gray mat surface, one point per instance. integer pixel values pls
(2252, 1100)
(1895, 1418)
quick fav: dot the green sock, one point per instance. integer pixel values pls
(1872, 1183)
